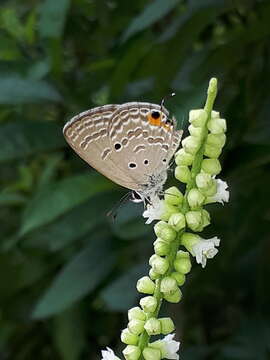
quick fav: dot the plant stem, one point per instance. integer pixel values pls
(144, 337)
(196, 168)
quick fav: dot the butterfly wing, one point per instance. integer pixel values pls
(142, 145)
(123, 142)
(88, 134)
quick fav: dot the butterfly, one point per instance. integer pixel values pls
(131, 144)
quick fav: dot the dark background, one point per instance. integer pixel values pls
(67, 274)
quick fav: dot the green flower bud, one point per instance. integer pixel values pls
(132, 352)
(195, 198)
(164, 231)
(153, 258)
(167, 325)
(215, 114)
(217, 125)
(204, 181)
(180, 278)
(182, 173)
(183, 266)
(177, 221)
(196, 131)
(173, 196)
(212, 152)
(194, 220)
(150, 353)
(168, 285)
(161, 346)
(191, 144)
(198, 117)
(205, 218)
(136, 313)
(145, 285)
(182, 254)
(211, 190)
(136, 326)
(167, 211)
(128, 338)
(175, 297)
(160, 265)
(149, 304)
(152, 326)
(183, 158)
(188, 240)
(211, 166)
(161, 247)
(217, 140)
(153, 275)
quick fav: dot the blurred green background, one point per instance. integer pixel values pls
(67, 273)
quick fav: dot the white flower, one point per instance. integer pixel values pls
(159, 210)
(205, 249)
(108, 355)
(222, 194)
(171, 347)
(154, 211)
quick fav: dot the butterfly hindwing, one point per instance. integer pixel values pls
(143, 146)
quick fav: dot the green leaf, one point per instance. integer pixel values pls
(8, 48)
(60, 197)
(125, 284)
(23, 138)
(68, 333)
(18, 272)
(127, 65)
(78, 278)
(73, 225)
(30, 27)
(151, 14)
(10, 22)
(15, 89)
(129, 223)
(39, 69)
(50, 169)
(52, 18)
(10, 198)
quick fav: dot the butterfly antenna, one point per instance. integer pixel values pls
(165, 98)
(163, 193)
(114, 211)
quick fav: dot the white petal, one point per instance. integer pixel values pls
(108, 354)
(205, 249)
(154, 210)
(171, 347)
(222, 194)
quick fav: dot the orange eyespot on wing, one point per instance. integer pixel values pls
(154, 118)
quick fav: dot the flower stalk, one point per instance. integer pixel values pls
(182, 217)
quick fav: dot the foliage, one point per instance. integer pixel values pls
(65, 267)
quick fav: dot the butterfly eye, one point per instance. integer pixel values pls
(155, 115)
(132, 165)
(146, 162)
